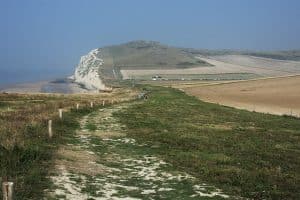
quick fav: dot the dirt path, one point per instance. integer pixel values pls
(101, 162)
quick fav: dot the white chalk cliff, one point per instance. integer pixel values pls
(87, 71)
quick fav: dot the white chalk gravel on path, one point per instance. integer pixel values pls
(120, 167)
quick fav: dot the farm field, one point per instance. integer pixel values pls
(274, 95)
(227, 67)
(286, 66)
(204, 77)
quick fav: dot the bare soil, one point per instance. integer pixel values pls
(274, 95)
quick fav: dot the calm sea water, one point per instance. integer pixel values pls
(10, 77)
(57, 82)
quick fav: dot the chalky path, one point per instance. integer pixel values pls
(101, 162)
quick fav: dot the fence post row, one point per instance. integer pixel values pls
(7, 187)
(7, 190)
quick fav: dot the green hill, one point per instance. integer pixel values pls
(145, 55)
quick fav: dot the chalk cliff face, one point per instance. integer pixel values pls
(87, 71)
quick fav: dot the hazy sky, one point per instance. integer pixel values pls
(47, 37)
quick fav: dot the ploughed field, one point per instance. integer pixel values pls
(226, 67)
(273, 95)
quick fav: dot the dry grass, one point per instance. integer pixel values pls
(26, 152)
(76, 160)
(20, 110)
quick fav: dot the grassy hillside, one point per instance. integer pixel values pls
(147, 55)
(250, 154)
(144, 55)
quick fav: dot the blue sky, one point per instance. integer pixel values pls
(42, 39)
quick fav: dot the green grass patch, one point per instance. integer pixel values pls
(90, 126)
(246, 153)
(3, 104)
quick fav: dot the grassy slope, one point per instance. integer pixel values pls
(144, 55)
(250, 154)
(25, 150)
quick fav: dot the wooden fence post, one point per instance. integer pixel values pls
(92, 104)
(103, 103)
(50, 128)
(77, 106)
(7, 190)
(60, 112)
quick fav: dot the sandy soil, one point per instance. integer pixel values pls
(273, 95)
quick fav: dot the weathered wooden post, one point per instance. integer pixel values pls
(92, 104)
(103, 103)
(60, 112)
(77, 106)
(7, 190)
(50, 128)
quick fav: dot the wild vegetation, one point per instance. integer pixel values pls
(250, 154)
(26, 152)
(243, 153)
